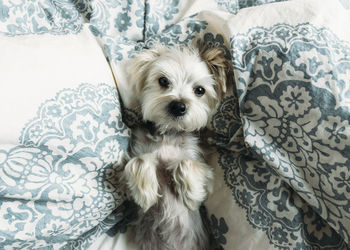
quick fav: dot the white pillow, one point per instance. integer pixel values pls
(60, 134)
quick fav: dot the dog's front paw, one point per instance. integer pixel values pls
(193, 180)
(141, 177)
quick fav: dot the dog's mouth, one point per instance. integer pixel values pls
(178, 118)
(173, 124)
(169, 117)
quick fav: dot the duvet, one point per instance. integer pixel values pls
(280, 139)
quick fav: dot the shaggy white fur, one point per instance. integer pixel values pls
(165, 174)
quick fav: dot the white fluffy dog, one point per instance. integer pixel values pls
(178, 89)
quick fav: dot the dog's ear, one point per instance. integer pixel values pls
(138, 67)
(218, 65)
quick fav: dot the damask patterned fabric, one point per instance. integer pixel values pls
(61, 132)
(280, 139)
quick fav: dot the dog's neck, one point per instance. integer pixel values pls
(152, 129)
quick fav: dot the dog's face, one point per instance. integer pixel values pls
(178, 88)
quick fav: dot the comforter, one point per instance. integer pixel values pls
(280, 138)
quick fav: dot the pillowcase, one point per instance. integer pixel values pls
(61, 132)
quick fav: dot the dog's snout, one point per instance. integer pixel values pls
(177, 108)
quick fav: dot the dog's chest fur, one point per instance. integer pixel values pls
(169, 148)
(180, 227)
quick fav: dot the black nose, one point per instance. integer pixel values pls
(177, 108)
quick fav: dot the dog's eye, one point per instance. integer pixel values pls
(163, 82)
(199, 91)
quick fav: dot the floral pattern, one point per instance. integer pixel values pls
(284, 156)
(293, 180)
(59, 182)
(232, 6)
(219, 229)
(140, 24)
(23, 17)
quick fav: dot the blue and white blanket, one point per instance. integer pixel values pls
(280, 137)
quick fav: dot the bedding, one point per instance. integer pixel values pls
(61, 133)
(279, 141)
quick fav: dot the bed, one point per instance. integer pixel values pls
(279, 141)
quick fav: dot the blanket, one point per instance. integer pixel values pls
(280, 138)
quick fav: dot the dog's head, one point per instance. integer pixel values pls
(177, 87)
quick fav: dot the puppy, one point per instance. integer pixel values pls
(177, 89)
